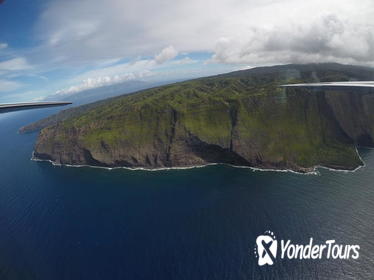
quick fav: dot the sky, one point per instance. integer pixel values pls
(65, 47)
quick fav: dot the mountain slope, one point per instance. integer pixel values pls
(241, 118)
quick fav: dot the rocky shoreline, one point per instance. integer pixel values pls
(301, 171)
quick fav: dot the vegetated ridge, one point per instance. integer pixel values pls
(242, 118)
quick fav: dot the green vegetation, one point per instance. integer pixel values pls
(242, 118)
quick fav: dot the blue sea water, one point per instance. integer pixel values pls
(86, 223)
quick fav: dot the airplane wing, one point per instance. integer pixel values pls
(360, 84)
(4, 108)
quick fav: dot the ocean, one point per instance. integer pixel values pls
(202, 223)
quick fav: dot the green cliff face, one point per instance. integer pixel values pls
(241, 118)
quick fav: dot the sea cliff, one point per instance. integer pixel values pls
(242, 118)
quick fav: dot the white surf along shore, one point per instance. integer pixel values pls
(314, 170)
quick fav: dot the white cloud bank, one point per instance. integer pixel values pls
(91, 83)
(119, 73)
(235, 31)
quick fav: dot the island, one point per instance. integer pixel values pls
(244, 118)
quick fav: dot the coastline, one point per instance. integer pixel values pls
(314, 170)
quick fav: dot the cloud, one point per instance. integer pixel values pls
(235, 31)
(166, 54)
(15, 64)
(327, 38)
(7, 85)
(95, 37)
(92, 83)
(119, 73)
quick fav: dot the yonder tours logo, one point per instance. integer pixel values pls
(266, 249)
